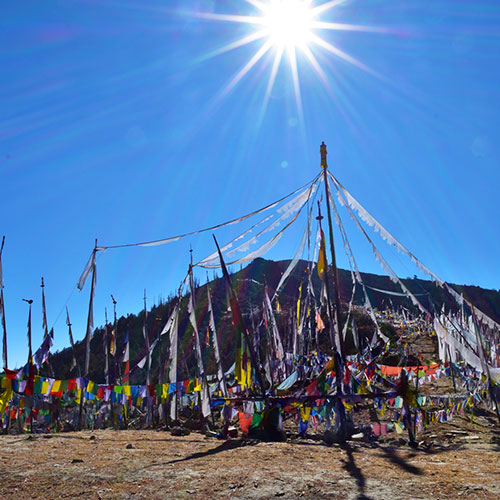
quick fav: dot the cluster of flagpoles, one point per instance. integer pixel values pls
(248, 367)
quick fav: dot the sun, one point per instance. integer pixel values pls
(288, 23)
(289, 28)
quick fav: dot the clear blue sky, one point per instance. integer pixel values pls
(111, 127)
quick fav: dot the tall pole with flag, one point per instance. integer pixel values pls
(146, 340)
(71, 341)
(126, 359)
(45, 327)
(211, 319)
(239, 326)
(2, 311)
(204, 392)
(106, 351)
(89, 333)
(145, 334)
(31, 370)
(322, 268)
(30, 384)
(112, 345)
(172, 373)
(338, 325)
(44, 311)
(90, 317)
(338, 342)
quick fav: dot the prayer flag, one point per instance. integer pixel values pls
(126, 359)
(319, 323)
(322, 257)
(243, 349)
(112, 345)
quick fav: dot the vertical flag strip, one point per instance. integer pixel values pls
(243, 346)
(205, 398)
(70, 333)
(126, 359)
(31, 368)
(220, 371)
(106, 352)
(322, 257)
(277, 344)
(90, 317)
(2, 311)
(44, 312)
(172, 373)
(145, 334)
(298, 309)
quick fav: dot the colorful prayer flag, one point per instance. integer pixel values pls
(322, 257)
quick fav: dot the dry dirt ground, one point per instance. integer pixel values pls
(457, 459)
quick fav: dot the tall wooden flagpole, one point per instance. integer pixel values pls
(324, 166)
(339, 355)
(2, 310)
(88, 336)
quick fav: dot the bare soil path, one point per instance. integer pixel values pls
(457, 459)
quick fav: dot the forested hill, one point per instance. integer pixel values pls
(249, 285)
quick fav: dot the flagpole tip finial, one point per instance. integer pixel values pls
(323, 153)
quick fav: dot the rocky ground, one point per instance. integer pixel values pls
(456, 459)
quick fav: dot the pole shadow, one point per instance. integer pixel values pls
(354, 471)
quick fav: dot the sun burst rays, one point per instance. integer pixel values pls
(291, 28)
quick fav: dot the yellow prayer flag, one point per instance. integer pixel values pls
(363, 389)
(298, 307)
(348, 406)
(305, 414)
(197, 385)
(382, 410)
(127, 390)
(5, 398)
(56, 386)
(322, 257)
(45, 387)
(164, 391)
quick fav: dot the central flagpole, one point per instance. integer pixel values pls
(324, 166)
(339, 357)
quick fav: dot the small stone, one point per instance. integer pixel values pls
(77, 461)
(128, 447)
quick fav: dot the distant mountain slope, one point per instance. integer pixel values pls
(249, 285)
